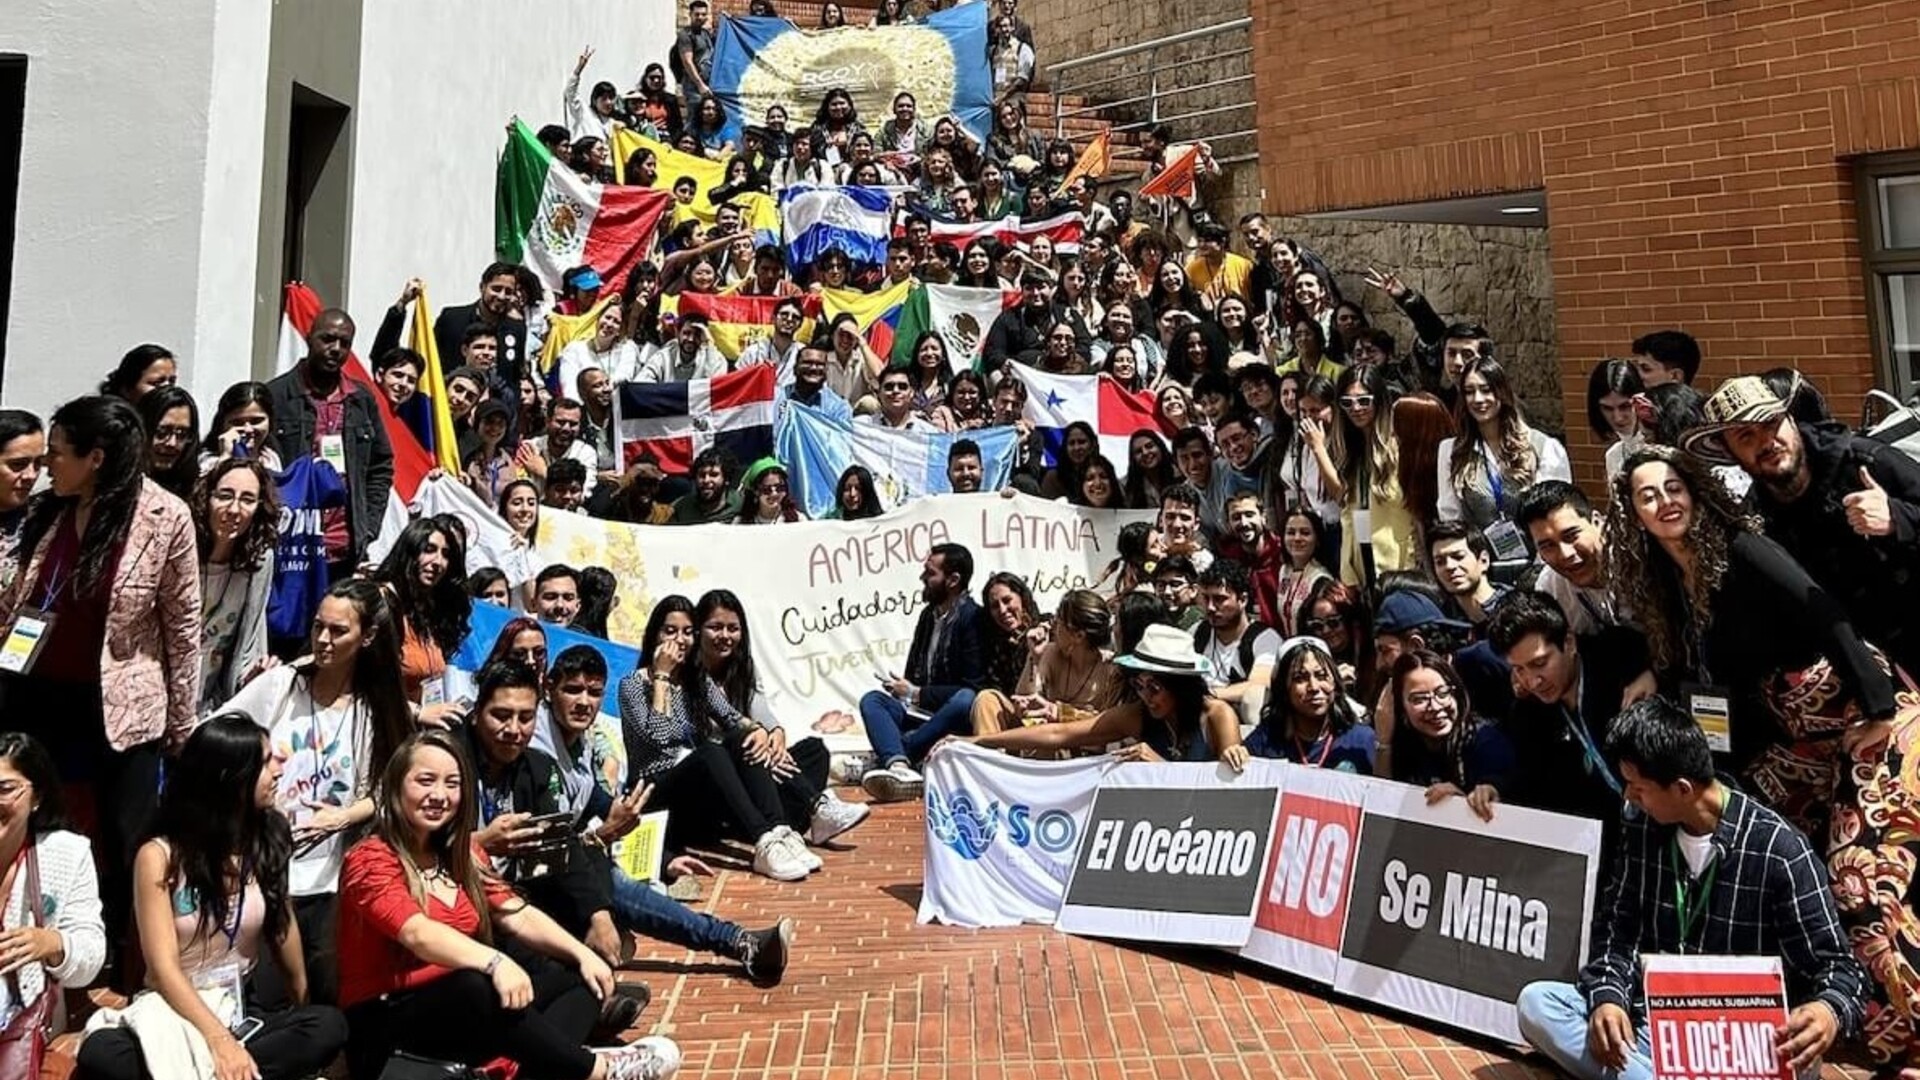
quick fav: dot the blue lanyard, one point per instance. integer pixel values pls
(1596, 763)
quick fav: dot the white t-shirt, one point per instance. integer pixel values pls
(1697, 850)
(1225, 658)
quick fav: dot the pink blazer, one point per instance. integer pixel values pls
(150, 661)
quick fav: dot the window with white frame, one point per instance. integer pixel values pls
(1890, 239)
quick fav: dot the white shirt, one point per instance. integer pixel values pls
(762, 352)
(1550, 463)
(579, 451)
(621, 363)
(582, 121)
(668, 365)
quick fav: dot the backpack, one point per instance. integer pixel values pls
(1899, 428)
(1203, 640)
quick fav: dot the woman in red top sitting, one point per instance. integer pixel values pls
(418, 969)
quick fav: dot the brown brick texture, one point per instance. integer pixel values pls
(1696, 156)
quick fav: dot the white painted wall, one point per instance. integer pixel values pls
(113, 189)
(438, 81)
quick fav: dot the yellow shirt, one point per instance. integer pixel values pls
(1235, 274)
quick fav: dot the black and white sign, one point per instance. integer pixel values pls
(1171, 853)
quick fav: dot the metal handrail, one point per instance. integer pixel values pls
(1149, 46)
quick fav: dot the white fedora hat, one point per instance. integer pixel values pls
(1165, 650)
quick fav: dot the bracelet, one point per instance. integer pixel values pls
(493, 965)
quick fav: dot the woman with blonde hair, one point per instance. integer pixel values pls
(1377, 529)
(1069, 673)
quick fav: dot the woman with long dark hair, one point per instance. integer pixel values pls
(676, 721)
(236, 524)
(52, 938)
(427, 573)
(22, 443)
(1307, 719)
(1099, 486)
(210, 896)
(1336, 613)
(855, 497)
(1812, 720)
(1007, 614)
(1068, 674)
(1079, 444)
(766, 496)
(1167, 712)
(331, 719)
(144, 369)
(723, 649)
(420, 968)
(116, 674)
(1172, 289)
(519, 507)
(242, 426)
(1302, 535)
(931, 371)
(1611, 411)
(1438, 741)
(837, 122)
(1194, 349)
(1149, 469)
(172, 421)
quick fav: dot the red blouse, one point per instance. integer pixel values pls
(374, 904)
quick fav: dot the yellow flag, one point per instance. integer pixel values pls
(760, 210)
(564, 330)
(433, 386)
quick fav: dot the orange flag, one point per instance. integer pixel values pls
(1177, 179)
(1093, 160)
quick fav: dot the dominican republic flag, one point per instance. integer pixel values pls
(849, 219)
(905, 464)
(1063, 229)
(550, 220)
(678, 420)
(1054, 401)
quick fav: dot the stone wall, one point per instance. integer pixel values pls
(1498, 276)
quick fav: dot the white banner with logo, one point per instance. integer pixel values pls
(1001, 833)
(829, 602)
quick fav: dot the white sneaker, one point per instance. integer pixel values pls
(651, 1057)
(799, 848)
(832, 816)
(895, 783)
(848, 768)
(774, 857)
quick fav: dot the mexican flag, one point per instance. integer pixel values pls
(550, 220)
(962, 315)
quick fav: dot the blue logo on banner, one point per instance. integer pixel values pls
(961, 823)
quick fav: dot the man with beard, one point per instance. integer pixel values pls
(1241, 650)
(965, 470)
(1461, 558)
(934, 697)
(809, 386)
(1846, 506)
(712, 498)
(1249, 543)
(499, 295)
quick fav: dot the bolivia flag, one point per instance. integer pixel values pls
(878, 314)
(736, 321)
(1054, 401)
(549, 219)
(962, 314)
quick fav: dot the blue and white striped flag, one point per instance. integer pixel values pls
(905, 464)
(854, 220)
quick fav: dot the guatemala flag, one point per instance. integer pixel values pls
(678, 420)
(849, 219)
(905, 464)
(1054, 401)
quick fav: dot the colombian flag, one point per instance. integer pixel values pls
(426, 413)
(877, 313)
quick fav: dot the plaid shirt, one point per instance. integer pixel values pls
(1771, 897)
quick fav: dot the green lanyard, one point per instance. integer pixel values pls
(1690, 901)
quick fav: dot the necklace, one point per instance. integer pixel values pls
(1075, 695)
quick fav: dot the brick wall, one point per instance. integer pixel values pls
(1694, 155)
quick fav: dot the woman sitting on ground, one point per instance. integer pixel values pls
(1069, 675)
(419, 971)
(52, 937)
(1169, 714)
(209, 896)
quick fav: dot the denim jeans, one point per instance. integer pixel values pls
(896, 736)
(637, 906)
(1553, 1019)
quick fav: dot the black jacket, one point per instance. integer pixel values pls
(582, 884)
(1017, 334)
(369, 455)
(957, 665)
(1876, 579)
(1554, 771)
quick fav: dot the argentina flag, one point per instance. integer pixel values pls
(941, 60)
(905, 464)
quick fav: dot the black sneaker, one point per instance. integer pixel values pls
(764, 952)
(621, 1009)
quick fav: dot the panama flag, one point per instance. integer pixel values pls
(961, 314)
(849, 219)
(550, 220)
(1054, 401)
(905, 464)
(675, 421)
(1064, 230)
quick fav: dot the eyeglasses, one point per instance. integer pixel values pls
(1358, 401)
(173, 434)
(1147, 685)
(1321, 626)
(1420, 699)
(225, 497)
(895, 388)
(773, 489)
(13, 789)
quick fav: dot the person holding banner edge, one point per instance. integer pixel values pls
(1752, 885)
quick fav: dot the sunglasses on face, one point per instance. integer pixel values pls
(1321, 626)
(1360, 401)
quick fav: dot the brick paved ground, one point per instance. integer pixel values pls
(873, 996)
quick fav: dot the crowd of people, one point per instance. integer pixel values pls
(1362, 556)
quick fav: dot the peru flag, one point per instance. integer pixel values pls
(676, 421)
(1054, 401)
